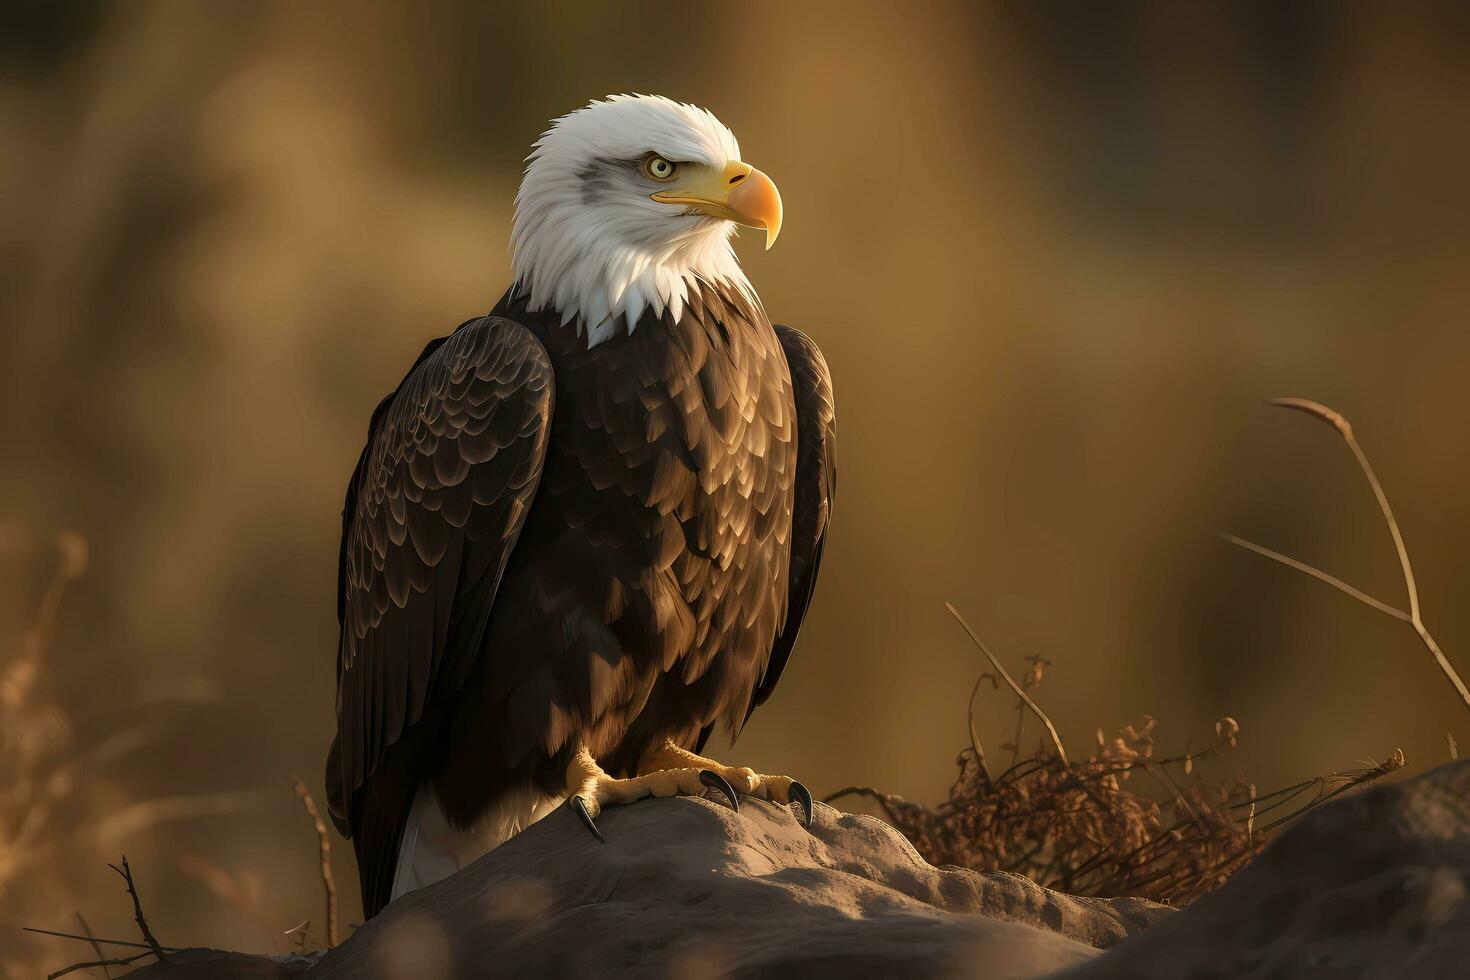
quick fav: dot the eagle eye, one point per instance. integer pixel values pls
(656, 167)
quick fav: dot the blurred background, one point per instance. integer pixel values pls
(1057, 254)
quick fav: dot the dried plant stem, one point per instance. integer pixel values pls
(127, 875)
(1056, 740)
(124, 961)
(974, 733)
(324, 847)
(1412, 617)
(1161, 776)
(1020, 732)
(150, 944)
(94, 940)
(1317, 573)
(877, 796)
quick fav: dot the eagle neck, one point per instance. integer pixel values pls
(602, 288)
(712, 308)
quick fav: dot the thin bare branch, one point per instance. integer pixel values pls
(1317, 573)
(126, 960)
(1332, 417)
(1056, 740)
(974, 732)
(152, 947)
(127, 875)
(324, 848)
(1161, 776)
(1444, 663)
(1414, 618)
(882, 799)
(91, 939)
(1345, 429)
(1347, 781)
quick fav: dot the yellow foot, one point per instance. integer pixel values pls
(780, 790)
(589, 788)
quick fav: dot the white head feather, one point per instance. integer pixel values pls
(588, 241)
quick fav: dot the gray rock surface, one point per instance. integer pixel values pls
(1373, 885)
(687, 888)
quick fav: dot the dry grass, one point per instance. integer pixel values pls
(245, 892)
(38, 771)
(150, 945)
(324, 853)
(1088, 828)
(1413, 616)
(56, 802)
(51, 807)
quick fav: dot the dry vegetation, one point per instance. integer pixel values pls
(56, 799)
(1087, 827)
(38, 770)
(243, 892)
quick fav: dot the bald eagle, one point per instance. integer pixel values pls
(586, 526)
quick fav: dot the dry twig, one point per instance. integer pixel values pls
(150, 944)
(127, 875)
(1056, 740)
(48, 808)
(324, 847)
(974, 733)
(1079, 827)
(94, 940)
(123, 961)
(1412, 617)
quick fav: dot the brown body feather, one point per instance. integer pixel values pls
(546, 545)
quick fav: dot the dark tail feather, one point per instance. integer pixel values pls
(336, 789)
(383, 805)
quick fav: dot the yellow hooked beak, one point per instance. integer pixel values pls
(740, 193)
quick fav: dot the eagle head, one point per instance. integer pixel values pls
(628, 200)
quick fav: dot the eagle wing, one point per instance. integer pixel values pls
(816, 485)
(433, 510)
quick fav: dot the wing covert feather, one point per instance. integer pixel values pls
(816, 486)
(433, 510)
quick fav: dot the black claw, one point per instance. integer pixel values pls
(715, 781)
(579, 806)
(800, 794)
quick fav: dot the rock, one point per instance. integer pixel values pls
(215, 964)
(1372, 885)
(687, 888)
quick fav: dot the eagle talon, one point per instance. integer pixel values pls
(715, 781)
(579, 806)
(800, 794)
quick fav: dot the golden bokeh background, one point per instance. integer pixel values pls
(1057, 254)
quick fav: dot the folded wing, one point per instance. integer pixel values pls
(816, 485)
(432, 514)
